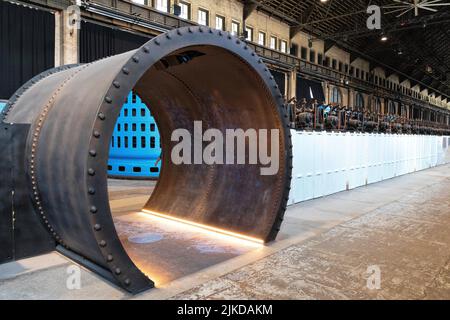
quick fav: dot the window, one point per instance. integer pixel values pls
(359, 101)
(134, 143)
(142, 112)
(249, 33)
(152, 142)
(334, 64)
(303, 53)
(162, 5)
(143, 127)
(346, 68)
(320, 58)
(261, 38)
(284, 46)
(143, 141)
(341, 66)
(312, 56)
(327, 62)
(377, 106)
(357, 72)
(185, 10)
(133, 112)
(336, 96)
(273, 43)
(235, 27)
(203, 17)
(220, 23)
(152, 127)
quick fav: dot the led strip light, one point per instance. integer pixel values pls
(206, 227)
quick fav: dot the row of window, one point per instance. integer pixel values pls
(135, 169)
(142, 112)
(203, 18)
(143, 126)
(117, 141)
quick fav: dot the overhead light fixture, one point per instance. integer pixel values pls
(324, 1)
(384, 37)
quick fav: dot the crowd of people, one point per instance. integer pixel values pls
(314, 115)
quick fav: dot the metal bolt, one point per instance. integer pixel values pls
(96, 134)
(109, 258)
(93, 209)
(118, 271)
(108, 99)
(136, 59)
(146, 49)
(101, 116)
(97, 227)
(91, 190)
(125, 70)
(93, 153)
(102, 243)
(116, 84)
(91, 172)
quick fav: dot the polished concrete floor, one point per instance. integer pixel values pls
(389, 240)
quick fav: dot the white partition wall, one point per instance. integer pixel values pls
(329, 162)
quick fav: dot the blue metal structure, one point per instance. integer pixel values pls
(2, 104)
(135, 145)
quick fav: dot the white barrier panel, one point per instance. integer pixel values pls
(330, 162)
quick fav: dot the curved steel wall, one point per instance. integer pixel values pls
(187, 75)
(135, 143)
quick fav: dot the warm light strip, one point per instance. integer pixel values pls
(206, 227)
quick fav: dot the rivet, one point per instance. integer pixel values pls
(179, 32)
(238, 41)
(97, 227)
(92, 153)
(271, 77)
(253, 54)
(102, 243)
(210, 30)
(91, 190)
(118, 271)
(127, 282)
(157, 42)
(136, 59)
(200, 29)
(96, 134)
(125, 70)
(93, 209)
(116, 84)
(101, 116)
(168, 36)
(190, 30)
(91, 172)
(109, 258)
(229, 37)
(108, 99)
(220, 33)
(146, 49)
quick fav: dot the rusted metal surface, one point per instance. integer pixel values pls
(73, 111)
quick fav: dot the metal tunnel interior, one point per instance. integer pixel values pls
(186, 75)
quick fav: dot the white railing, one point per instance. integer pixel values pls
(328, 162)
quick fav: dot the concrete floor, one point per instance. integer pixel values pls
(325, 250)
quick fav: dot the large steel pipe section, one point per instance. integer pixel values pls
(186, 75)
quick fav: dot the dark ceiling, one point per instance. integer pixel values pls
(418, 46)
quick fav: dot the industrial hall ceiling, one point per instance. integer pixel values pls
(414, 39)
